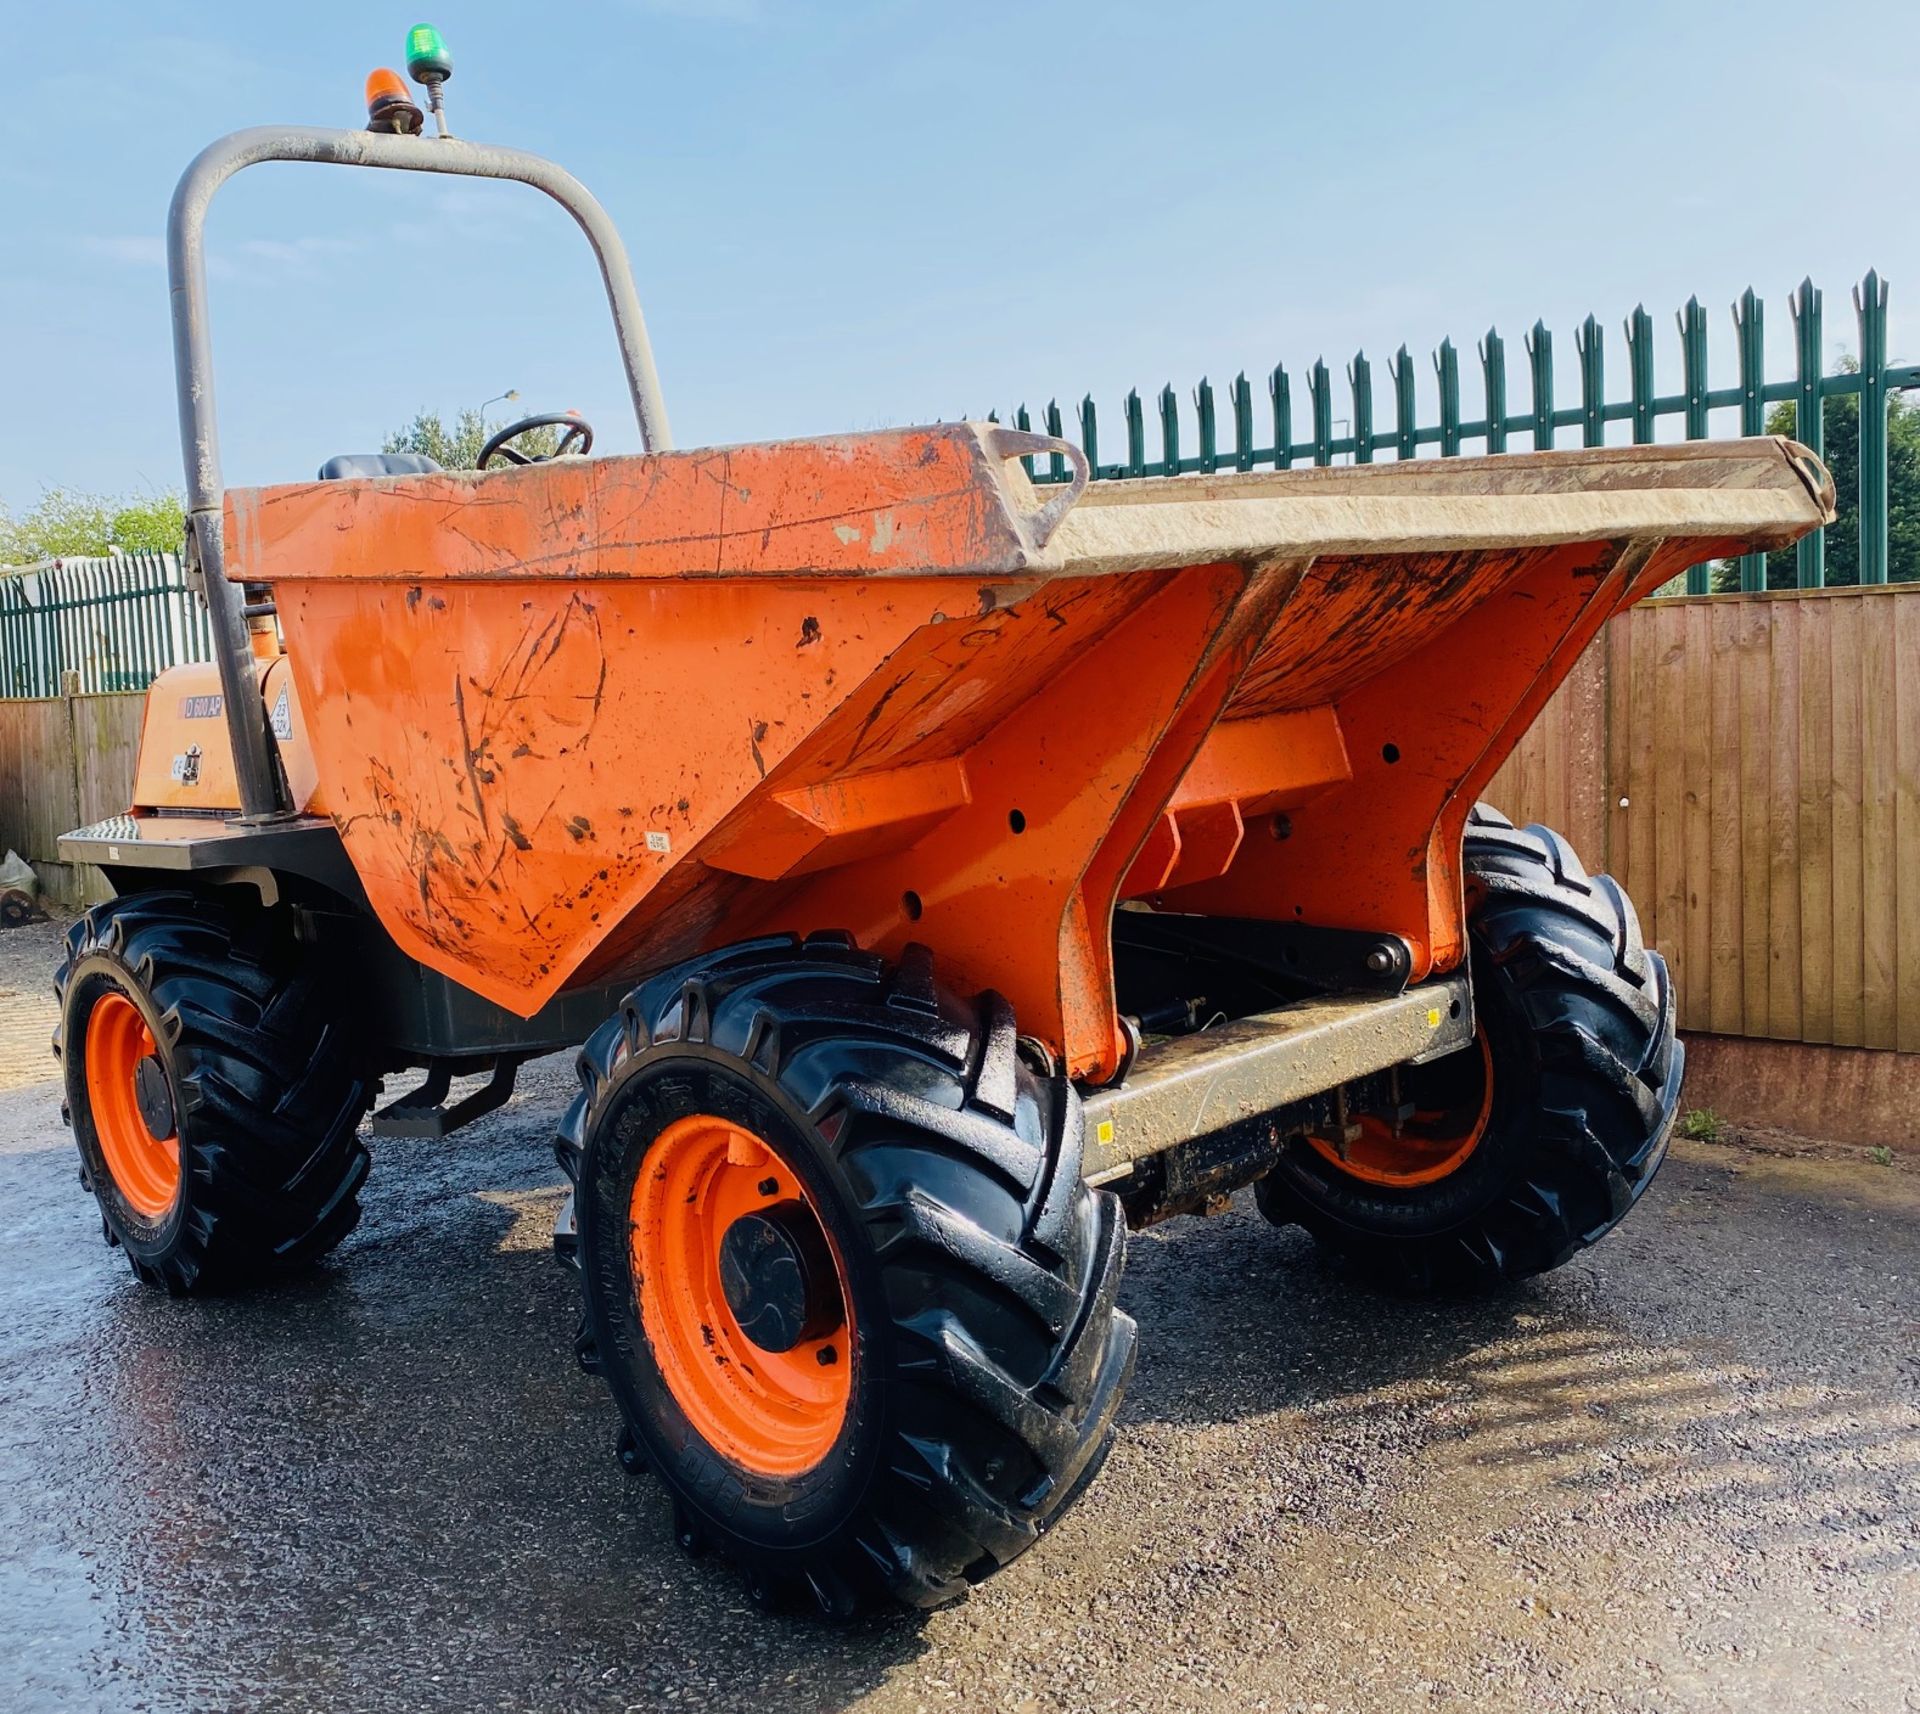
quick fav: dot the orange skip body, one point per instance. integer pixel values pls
(583, 718)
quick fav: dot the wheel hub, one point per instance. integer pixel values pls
(154, 1097)
(1448, 1104)
(777, 1276)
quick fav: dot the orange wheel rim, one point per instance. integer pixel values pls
(145, 1169)
(1421, 1150)
(776, 1413)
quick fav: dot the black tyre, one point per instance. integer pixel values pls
(890, 1199)
(1534, 1144)
(212, 1088)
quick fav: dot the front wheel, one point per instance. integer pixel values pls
(212, 1087)
(1505, 1159)
(854, 1303)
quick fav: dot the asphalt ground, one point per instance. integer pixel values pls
(1683, 1473)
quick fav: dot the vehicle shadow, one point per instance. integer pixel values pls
(1712, 1363)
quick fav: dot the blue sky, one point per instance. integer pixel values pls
(851, 213)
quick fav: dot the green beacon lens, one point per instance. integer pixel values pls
(427, 58)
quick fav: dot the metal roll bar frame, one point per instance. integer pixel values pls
(227, 605)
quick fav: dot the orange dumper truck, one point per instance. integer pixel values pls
(936, 874)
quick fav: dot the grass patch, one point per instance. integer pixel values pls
(1882, 1156)
(1703, 1125)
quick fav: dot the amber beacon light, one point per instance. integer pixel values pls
(389, 106)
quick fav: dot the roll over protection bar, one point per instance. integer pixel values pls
(260, 796)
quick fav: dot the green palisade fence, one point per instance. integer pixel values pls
(1235, 435)
(114, 623)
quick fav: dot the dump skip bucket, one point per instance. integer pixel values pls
(589, 716)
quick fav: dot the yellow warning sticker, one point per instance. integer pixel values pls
(1103, 1132)
(1433, 1017)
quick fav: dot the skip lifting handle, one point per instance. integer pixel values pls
(1043, 520)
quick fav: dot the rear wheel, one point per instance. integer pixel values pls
(212, 1090)
(1507, 1158)
(840, 1272)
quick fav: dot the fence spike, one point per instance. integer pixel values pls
(1870, 302)
(1320, 401)
(129, 617)
(1136, 434)
(92, 632)
(1809, 420)
(133, 581)
(1056, 461)
(142, 651)
(1693, 362)
(1090, 433)
(1242, 422)
(1493, 365)
(156, 608)
(1539, 343)
(1749, 329)
(1446, 364)
(1206, 426)
(1169, 431)
(1360, 380)
(1588, 341)
(1280, 390)
(57, 606)
(1406, 411)
(1640, 373)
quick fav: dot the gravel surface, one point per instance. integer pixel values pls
(1683, 1473)
(28, 955)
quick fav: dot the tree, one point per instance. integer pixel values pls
(67, 524)
(1843, 459)
(458, 448)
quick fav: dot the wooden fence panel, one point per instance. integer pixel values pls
(37, 802)
(1905, 634)
(1557, 773)
(64, 761)
(1697, 948)
(106, 745)
(1878, 689)
(1816, 819)
(1749, 768)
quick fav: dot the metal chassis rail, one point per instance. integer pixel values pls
(1194, 1086)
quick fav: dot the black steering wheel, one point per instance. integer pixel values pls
(578, 439)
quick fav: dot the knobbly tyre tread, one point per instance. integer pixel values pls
(270, 1090)
(1003, 1355)
(1562, 951)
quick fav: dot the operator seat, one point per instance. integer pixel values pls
(356, 464)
